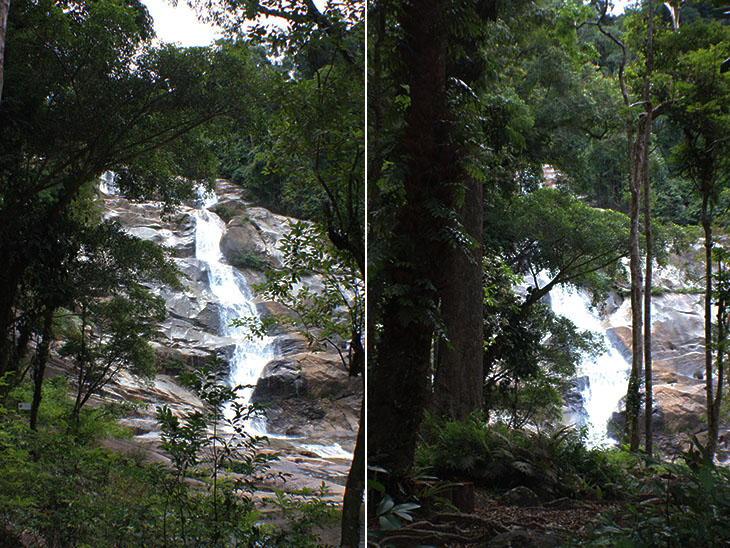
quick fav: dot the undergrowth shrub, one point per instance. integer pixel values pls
(58, 485)
(248, 260)
(494, 456)
(683, 504)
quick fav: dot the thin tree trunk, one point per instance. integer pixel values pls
(39, 366)
(720, 366)
(633, 401)
(354, 488)
(712, 418)
(634, 140)
(648, 386)
(4, 11)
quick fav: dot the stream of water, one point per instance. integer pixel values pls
(235, 300)
(607, 373)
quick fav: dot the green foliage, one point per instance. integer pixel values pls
(553, 230)
(66, 490)
(331, 310)
(97, 422)
(391, 515)
(207, 444)
(85, 93)
(496, 457)
(530, 353)
(683, 505)
(248, 260)
(174, 365)
(228, 210)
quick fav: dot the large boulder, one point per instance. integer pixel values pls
(309, 394)
(241, 240)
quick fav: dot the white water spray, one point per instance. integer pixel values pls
(250, 355)
(607, 373)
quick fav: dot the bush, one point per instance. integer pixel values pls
(494, 456)
(248, 260)
(682, 505)
(58, 485)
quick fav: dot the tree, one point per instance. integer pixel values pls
(552, 238)
(112, 334)
(84, 93)
(430, 160)
(90, 286)
(554, 232)
(648, 238)
(699, 108)
(409, 312)
(531, 354)
(638, 134)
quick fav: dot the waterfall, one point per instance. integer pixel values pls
(234, 299)
(607, 373)
(107, 183)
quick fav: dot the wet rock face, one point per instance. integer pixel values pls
(678, 359)
(307, 394)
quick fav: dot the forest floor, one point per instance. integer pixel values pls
(495, 525)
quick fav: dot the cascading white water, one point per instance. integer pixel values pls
(250, 355)
(607, 373)
(107, 184)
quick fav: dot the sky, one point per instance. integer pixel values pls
(619, 5)
(179, 24)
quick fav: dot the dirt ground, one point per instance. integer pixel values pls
(496, 525)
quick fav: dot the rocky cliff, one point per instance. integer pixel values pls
(677, 350)
(308, 394)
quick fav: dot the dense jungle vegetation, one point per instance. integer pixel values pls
(86, 91)
(468, 104)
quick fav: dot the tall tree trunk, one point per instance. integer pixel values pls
(354, 488)
(712, 417)
(39, 366)
(400, 385)
(4, 11)
(648, 385)
(458, 384)
(400, 389)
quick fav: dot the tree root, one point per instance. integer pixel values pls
(441, 529)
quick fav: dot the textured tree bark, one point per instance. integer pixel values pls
(459, 373)
(400, 387)
(39, 366)
(712, 418)
(720, 368)
(633, 399)
(354, 489)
